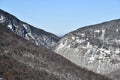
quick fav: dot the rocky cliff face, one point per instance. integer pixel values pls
(95, 47)
(35, 35)
(22, 60)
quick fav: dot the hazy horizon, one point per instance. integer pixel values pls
(63, 16)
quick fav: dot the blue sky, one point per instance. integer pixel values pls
(62, 16)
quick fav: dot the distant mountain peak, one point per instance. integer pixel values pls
(35, 35)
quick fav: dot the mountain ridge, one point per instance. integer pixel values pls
(35, 35)
(94, 47)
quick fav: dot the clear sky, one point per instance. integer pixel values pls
(62, 16)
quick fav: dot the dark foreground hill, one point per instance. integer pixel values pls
(22, 60)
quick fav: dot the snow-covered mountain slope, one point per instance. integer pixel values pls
(95, 47)
(35, 35)
(22, 60)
